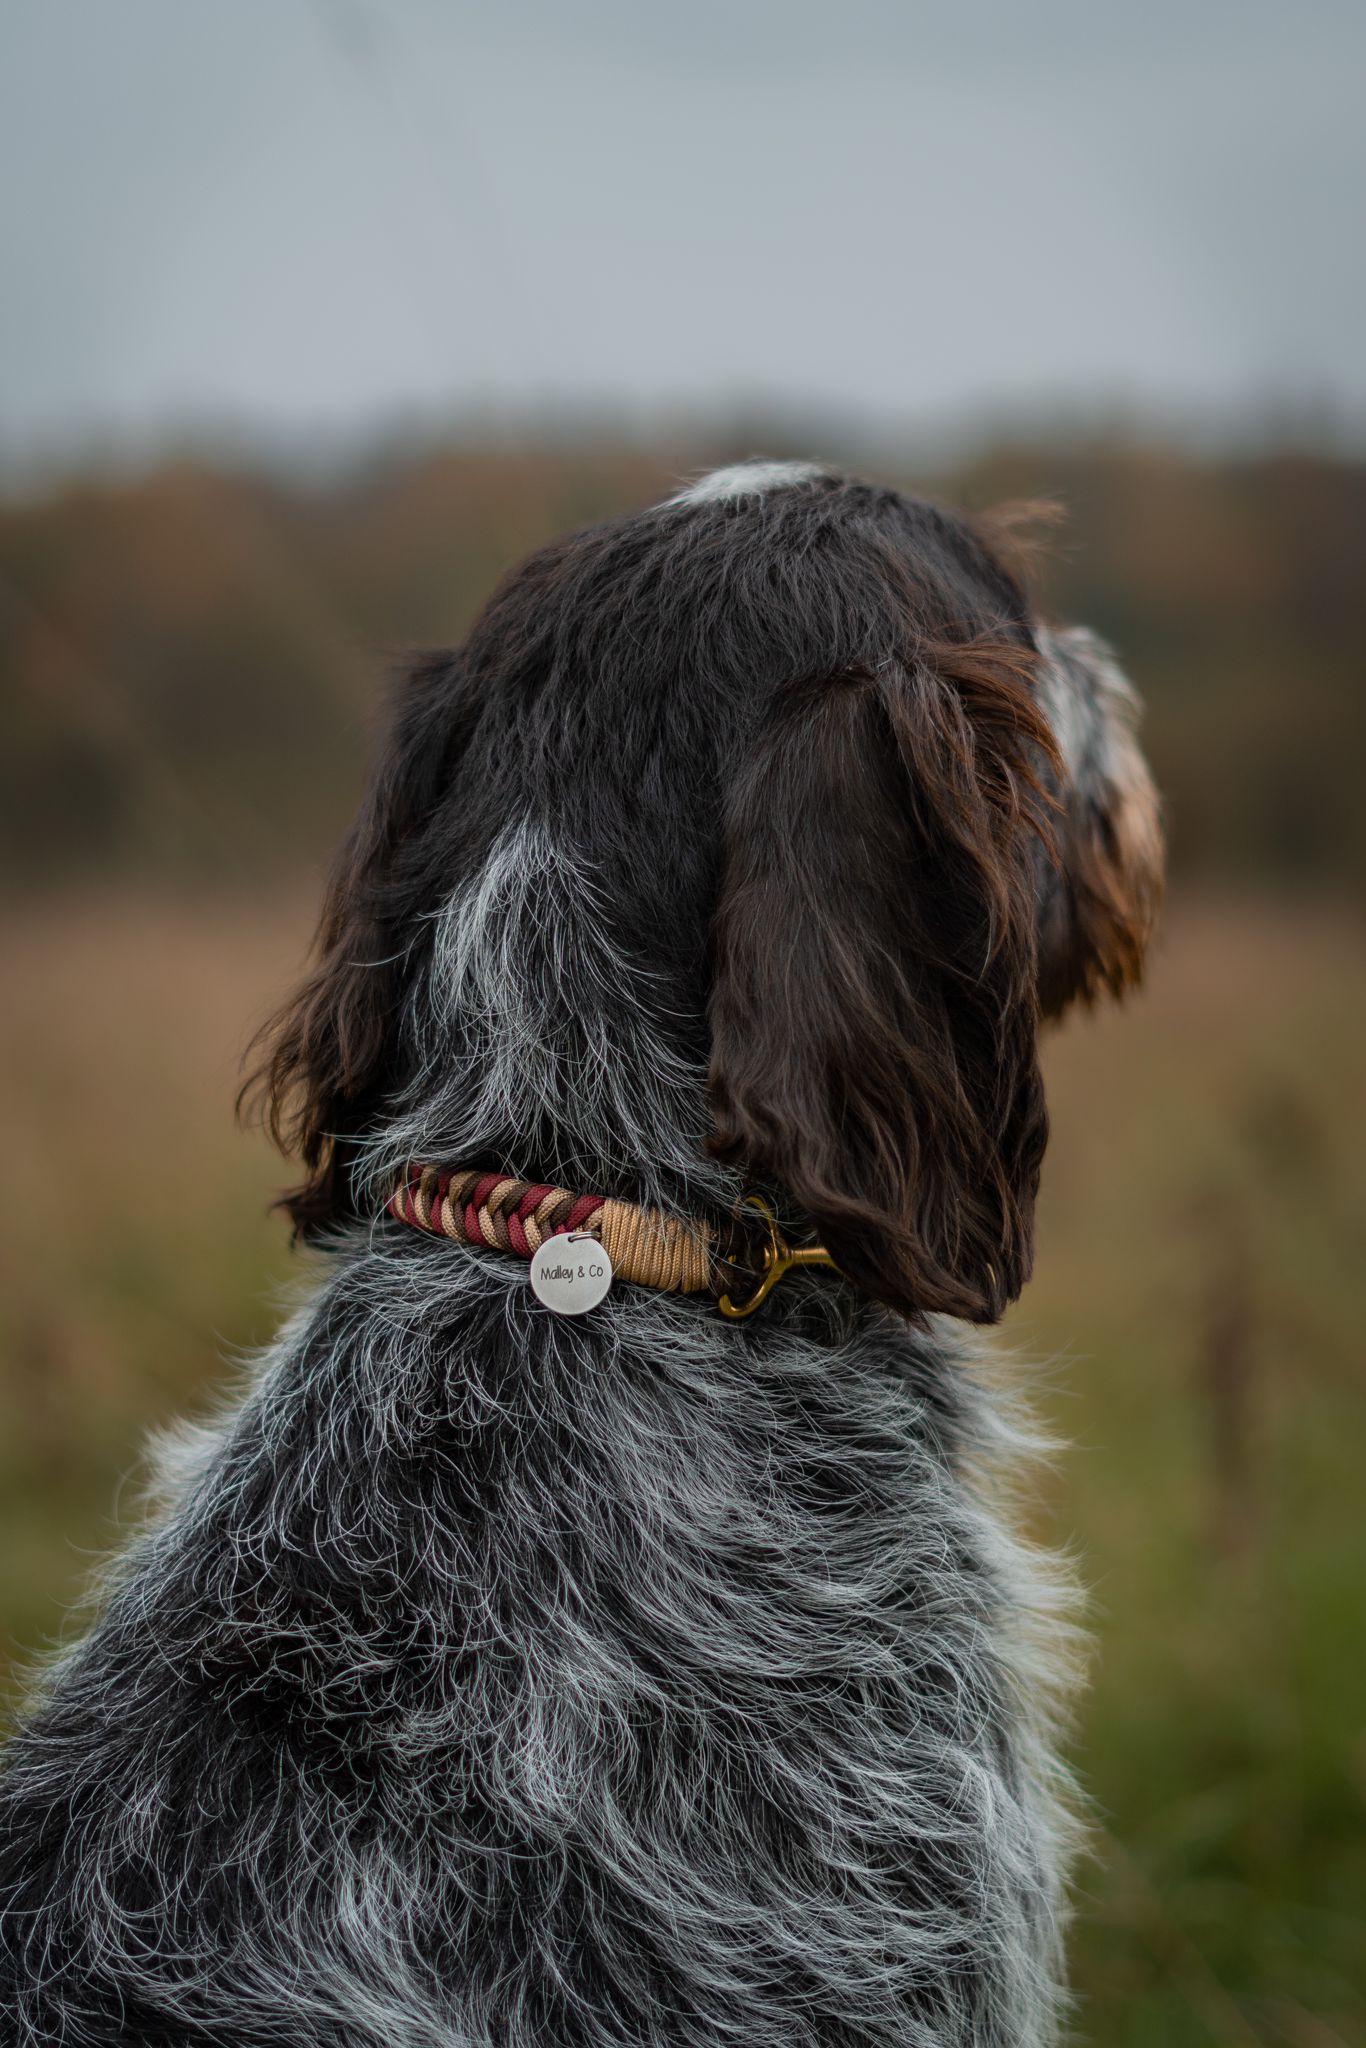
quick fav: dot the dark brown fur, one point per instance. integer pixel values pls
(874, 1013)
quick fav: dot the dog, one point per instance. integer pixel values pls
(662, 1675)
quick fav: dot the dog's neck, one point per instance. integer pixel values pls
(539, 1048)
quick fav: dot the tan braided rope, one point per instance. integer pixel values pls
(646, 1246)
(656, 1250)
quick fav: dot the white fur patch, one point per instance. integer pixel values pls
(1098, 716)
(746, 479)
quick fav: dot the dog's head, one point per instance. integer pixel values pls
(778, 784)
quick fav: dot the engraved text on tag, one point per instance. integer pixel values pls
(571, 1272)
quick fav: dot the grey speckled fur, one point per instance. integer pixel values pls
(554, 1625)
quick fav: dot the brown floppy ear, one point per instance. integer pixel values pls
(874, 1010)
(331, 1056)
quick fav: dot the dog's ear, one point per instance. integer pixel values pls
(1101, 906)
(332, 1055)
(874, 1008)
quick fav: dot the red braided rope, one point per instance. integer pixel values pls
(489, 1209)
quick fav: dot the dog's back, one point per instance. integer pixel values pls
(495, 1677)
(632, 1679)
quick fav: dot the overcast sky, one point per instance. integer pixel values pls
(311, 215)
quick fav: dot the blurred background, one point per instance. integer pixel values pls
(317, 317)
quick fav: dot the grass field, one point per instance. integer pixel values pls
(1199, 1307)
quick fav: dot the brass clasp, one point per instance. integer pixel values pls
(778, 1257)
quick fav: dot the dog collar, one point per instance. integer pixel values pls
(646, 1247)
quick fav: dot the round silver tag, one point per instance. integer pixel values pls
(571, 1272)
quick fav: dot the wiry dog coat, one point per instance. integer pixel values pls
(646, 1679)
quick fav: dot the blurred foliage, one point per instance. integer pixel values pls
(187, 659)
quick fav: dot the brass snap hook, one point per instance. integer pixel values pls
(777, 1258)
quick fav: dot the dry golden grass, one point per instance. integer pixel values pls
(1201, 1292)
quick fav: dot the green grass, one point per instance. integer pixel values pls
(1199, 1305)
